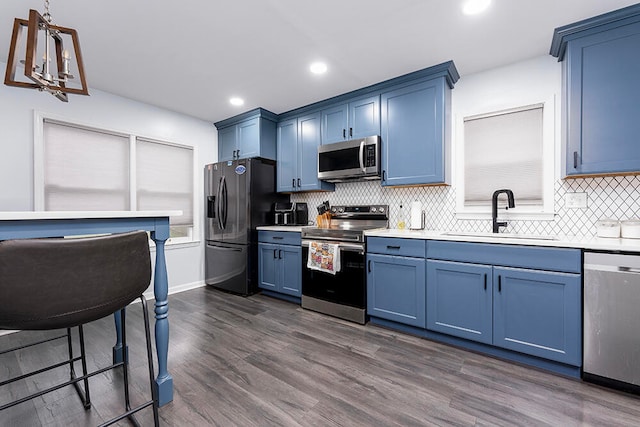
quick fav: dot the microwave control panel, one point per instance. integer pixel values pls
(370, 156)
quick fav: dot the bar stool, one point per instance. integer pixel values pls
(48, 284)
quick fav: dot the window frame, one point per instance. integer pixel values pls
(546, 211)
(39, 161)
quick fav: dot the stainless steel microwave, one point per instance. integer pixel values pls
(358, 159)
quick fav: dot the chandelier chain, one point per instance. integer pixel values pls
(47, 15)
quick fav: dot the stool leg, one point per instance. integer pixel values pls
(147, 332)
(83, 359)
(83, 394)
(125, 361)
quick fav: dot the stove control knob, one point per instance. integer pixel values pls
(374, 209)
(333, 209)
(341, 210)
(381, 209)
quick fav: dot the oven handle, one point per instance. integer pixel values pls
(347, 247)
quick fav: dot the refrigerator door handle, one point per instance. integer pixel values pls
(219, 210)
(226, 203)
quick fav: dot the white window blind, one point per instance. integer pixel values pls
(164, 179)
(504, 150)
(84, 170)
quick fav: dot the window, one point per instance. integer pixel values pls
(79, 168)
(511, 148)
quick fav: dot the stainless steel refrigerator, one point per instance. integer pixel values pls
(239, 195)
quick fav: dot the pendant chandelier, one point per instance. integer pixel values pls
(45, 41)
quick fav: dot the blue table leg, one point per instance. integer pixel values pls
(164, 381)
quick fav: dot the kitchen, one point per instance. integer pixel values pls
(608, 197)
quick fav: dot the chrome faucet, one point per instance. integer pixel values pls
(494, 208)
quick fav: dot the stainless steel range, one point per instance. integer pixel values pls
(343, 294)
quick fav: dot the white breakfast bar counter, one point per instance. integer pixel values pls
(22, 225)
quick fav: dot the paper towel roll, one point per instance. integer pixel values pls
(416, 216)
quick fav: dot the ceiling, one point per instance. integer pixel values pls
(191, 56)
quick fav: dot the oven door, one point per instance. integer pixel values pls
(343, 294)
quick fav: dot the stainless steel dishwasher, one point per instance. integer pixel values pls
(612, 320)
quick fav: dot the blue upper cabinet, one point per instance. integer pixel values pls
(356, 119)
(601, 91)
(227, 145)
(415, 127)
(411, 113)
(251, 134)
(297, 141)
(287, 167)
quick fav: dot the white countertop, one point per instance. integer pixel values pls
(593, 243)
(291, 228)
(38, 215)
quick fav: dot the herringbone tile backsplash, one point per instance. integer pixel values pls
(607, 197)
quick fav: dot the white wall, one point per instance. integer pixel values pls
(185, 264)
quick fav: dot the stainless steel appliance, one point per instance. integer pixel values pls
(354, 160)
(238, 198)
(289, 213)
(611, 319)
(344, 294)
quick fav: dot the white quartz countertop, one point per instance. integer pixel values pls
(40, 215)
(291, 228)
(589, 243)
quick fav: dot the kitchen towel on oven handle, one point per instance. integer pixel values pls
(324, 257)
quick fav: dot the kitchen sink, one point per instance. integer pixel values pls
(498, 235)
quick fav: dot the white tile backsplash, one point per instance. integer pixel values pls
(615, 197)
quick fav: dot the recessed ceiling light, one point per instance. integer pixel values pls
(236, 101)
(318, 68)
(473, 7)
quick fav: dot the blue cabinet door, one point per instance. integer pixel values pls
(538, 313)
(248, 138)
(459, 300)
(287, 146)
(268, 266)
(227, 138)
(290, 258)
(335, 123)
(602, 93)
(396, 289)
(364, 117)
(413, 134)
(308, 143)
(357, 119)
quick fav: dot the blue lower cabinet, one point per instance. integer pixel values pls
(280, 268)
(459, 300)
(291, 270)
(268, 266)
(396, 289)
(538, 313)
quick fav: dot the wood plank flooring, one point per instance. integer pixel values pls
(259, 361)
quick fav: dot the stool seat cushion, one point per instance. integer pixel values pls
(60, 283)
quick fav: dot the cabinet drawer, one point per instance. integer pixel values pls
(395, 246)
(280, 237)
(537, 258)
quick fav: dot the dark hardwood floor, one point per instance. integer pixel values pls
(259, 361)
